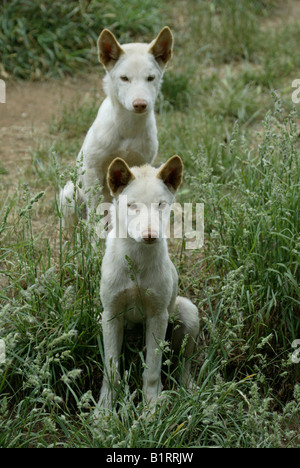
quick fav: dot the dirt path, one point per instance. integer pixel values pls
(29, 109)
(288, 11)
(24, 122)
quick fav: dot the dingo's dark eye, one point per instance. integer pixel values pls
(124, 78)
(133, 207)
(151, 78)
(162, 205)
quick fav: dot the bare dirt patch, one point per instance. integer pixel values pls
(287, 12)
(29, 109)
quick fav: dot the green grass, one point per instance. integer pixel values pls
(252, 221)
(39, 39)
(2, 169)
(240, 146)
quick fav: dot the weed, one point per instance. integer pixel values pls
(51, 38)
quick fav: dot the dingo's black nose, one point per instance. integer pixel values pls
(149, 236)
(139, 105)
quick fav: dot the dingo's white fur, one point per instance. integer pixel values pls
(125, 124)
(144, 288)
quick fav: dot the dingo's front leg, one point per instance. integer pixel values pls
(113, 330)
(156, 327)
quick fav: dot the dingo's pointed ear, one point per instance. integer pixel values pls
(118, 176)
(171, 173)
(109, 50)
(162, 46)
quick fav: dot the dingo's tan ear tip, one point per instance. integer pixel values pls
(171, 172)
(168, 30)
(104, 32)
(109, 49)
(118, 175)
(177, 159)
(118, 160)
(162, 46)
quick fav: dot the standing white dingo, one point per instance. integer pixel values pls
(138, 280)
(125, 124)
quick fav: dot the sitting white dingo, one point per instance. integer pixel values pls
(151, 296)
(125, 124)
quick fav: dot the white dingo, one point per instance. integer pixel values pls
(125, 125)
(139, 281)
